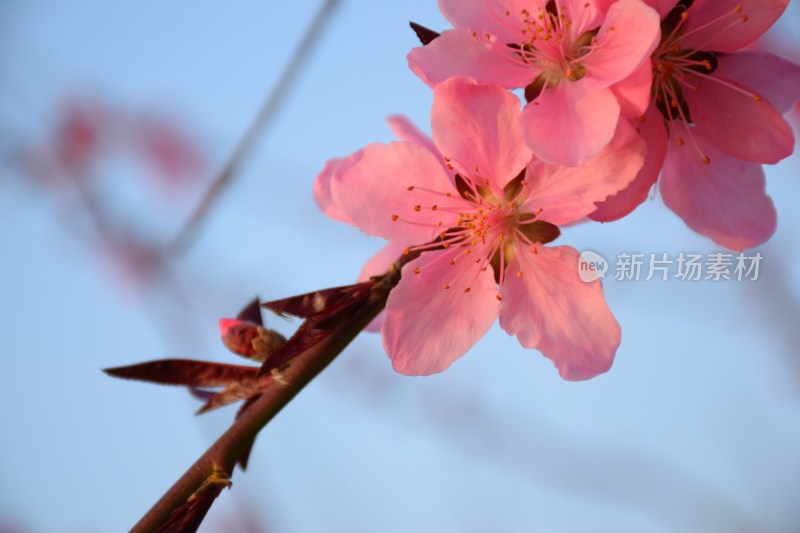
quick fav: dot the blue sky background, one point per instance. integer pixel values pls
(696, 428)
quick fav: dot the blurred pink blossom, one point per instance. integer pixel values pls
(174, 157)
(88, 132)
(88, 138)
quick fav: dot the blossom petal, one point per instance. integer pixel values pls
(503, 18)
(427, 327)
(584, 15)
(477, 127)
(662, 6)
(380, 262)
(773, 78)
(549, 308)
(628, 36)
(621, 204)
(725, 200)
(740, 124)
(728, 25)
(375, 266)
(375, 191)
(568, 194)
(568, 124)
(464, 52)
(633, 93)
(322, 187)
(405, 130)
(377, 323)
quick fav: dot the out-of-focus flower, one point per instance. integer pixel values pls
(722, 108)
(176, 158)
(89, 132)
(579, 61)
(79, 155)
(78, 137)
(76, 143)
(478, 209)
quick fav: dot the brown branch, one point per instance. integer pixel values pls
(221, 458)
(183, 239)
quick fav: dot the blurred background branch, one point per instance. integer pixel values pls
(261, 125)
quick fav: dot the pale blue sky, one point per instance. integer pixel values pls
(696, 428)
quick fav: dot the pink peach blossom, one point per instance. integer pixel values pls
(568, 55)
(723, 114)
(477, 208)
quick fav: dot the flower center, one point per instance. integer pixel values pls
(550, 41)
(490, 225)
